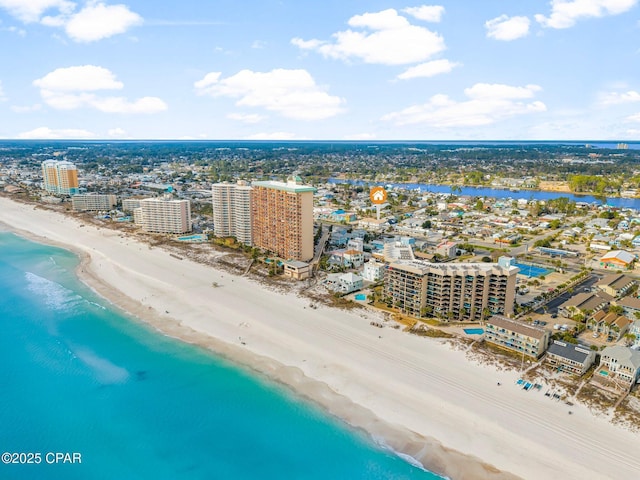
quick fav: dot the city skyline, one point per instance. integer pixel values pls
(282, 70)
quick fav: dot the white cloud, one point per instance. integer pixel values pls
(388, 39)
(428, 69)
(633, 118)
(29, 11)
(272, 136)
(259, 44)
(246, 117)
(83, 77)
(565, 13)
(291, 93)
(617, 98)
(26, 108)
(72, 87)
(507, 28)
(486, 104)
(97, 21)
(428, 13)
(47, 133)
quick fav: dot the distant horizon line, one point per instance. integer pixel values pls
(372, 141)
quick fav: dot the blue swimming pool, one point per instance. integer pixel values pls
(193, 238)
(473, 331)
(532, 270)
(361, 296)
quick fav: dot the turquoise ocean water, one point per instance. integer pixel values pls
(76, 376)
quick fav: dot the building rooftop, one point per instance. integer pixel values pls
(517, 327)
(620, 255)
(569, 351)
(616, 281)
(453, 268)
(624, 355)
(587, 301)
(291, 186)
(296, 263)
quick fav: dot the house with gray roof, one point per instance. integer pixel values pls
(570, 358)
(619, 368)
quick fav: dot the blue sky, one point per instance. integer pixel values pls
(305, 69)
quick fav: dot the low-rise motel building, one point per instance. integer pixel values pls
(517, 336)
(570, 358)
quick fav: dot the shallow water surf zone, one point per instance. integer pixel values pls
(88, 393)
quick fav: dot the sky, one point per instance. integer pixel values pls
(320, 70)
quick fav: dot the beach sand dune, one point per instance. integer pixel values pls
(416, 395)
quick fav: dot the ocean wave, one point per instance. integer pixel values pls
(54, 295)
(406, 457)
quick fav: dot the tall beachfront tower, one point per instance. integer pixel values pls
(163, 215)
(60, 177)
(283, 218)
(232, 211)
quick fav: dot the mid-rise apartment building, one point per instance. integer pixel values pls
(232, 211)
(164, 215)
(60, 177)
(456, 291)
(282, 215)
(93, 202)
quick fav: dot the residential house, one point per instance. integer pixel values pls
(570, 358)
(373, 224)
(343, 282)
(517, 336)
(616, 284)
(585, 304)
(353, 258)
(373, 271)
(634, 329)
(619, 367)
(611, 324)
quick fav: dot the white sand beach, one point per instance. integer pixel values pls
(422, 397)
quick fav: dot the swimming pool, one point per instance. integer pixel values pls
(473, 331)
(193, 238)
(361, 296)
(532, 270)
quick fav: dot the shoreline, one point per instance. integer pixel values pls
(408, 391)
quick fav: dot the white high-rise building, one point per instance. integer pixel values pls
(164, 215)
(232, 211)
